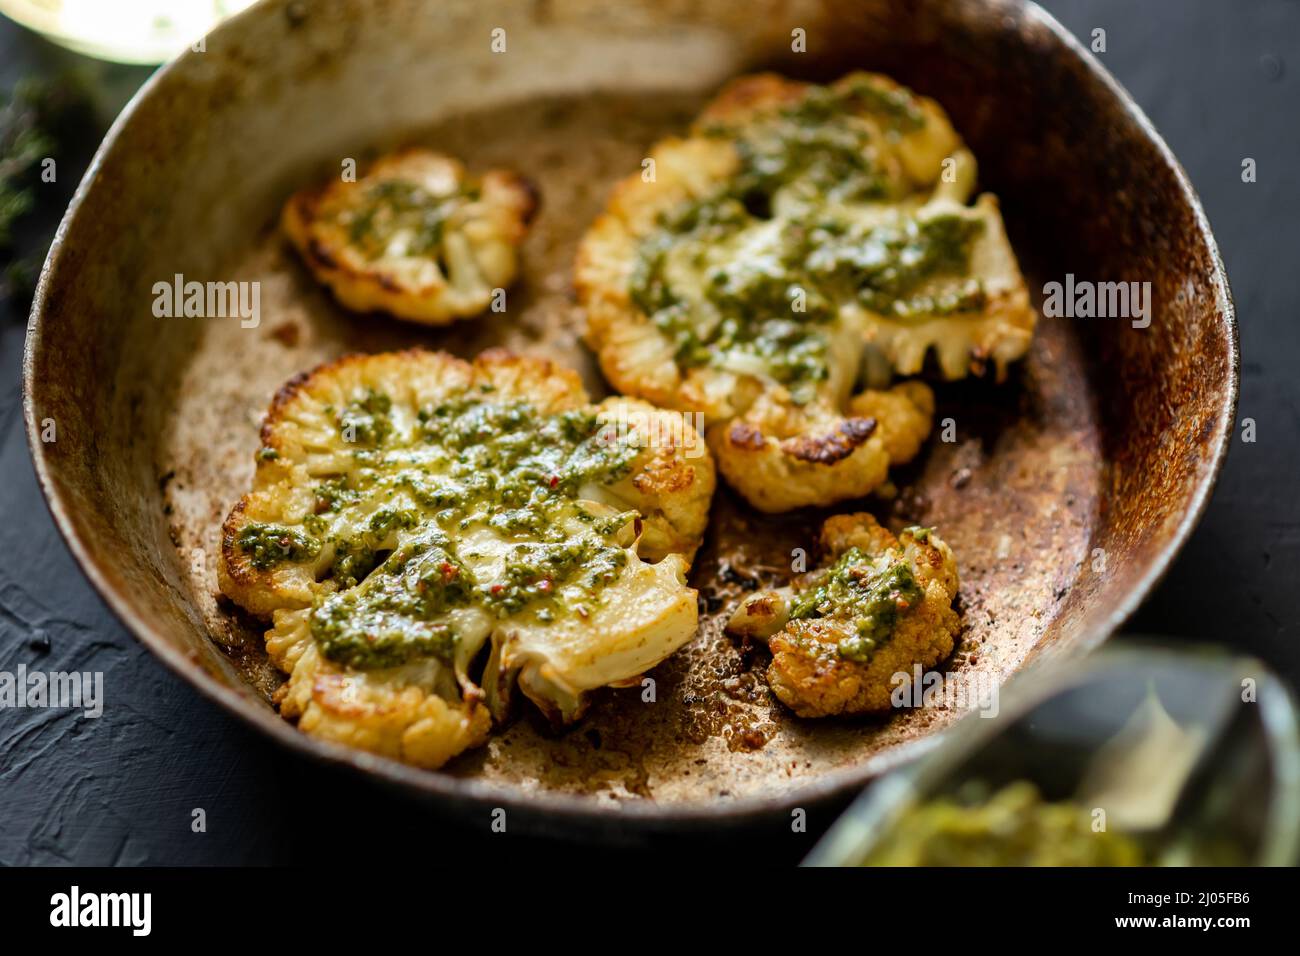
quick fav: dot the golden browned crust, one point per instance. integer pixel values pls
(743, 97)
(672, 479)
(400, 713)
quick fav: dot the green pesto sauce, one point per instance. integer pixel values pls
(366, 420)
(392, 617)
(1013, 827)
(271, 544)
(808, 153)
(885, 266)
(897, 107)
(400, 217)
(534, 570)
(396, 523)
(870, 593)
(772, 300)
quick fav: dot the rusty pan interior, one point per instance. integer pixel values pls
(1065, 492)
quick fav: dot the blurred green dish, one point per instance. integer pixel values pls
(1139, 755)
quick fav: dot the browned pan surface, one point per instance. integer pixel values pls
(1105, 441)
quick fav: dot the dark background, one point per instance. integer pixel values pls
(1221, 81)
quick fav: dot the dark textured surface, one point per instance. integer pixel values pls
(122, 788)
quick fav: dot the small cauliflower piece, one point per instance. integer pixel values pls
(782, 456)
(411, 509)
(415, 236)
(797, 229)
(878, 606)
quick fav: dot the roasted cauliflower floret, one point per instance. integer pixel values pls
(411, 509)
(839, 634)
(415, 236)
(795, 232)
(782, 456)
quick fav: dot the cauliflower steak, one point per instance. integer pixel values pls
(839, 634)
(415, 236)
(428, 534)
(800, 236)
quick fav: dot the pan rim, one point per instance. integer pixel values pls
(561, 806)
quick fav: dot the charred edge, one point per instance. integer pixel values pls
(746, 436)
(320, 254)
(835, 447)
(283, 396)
(388, 282)
(531, 199)
(300, 209)
(229, 550)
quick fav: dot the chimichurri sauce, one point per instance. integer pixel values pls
(869, 592)
(397, 217)
(269, 544)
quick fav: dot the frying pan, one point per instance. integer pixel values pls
(1065, 492)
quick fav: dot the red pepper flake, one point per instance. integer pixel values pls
(555, 481)
(498, 588)
(449, 571)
